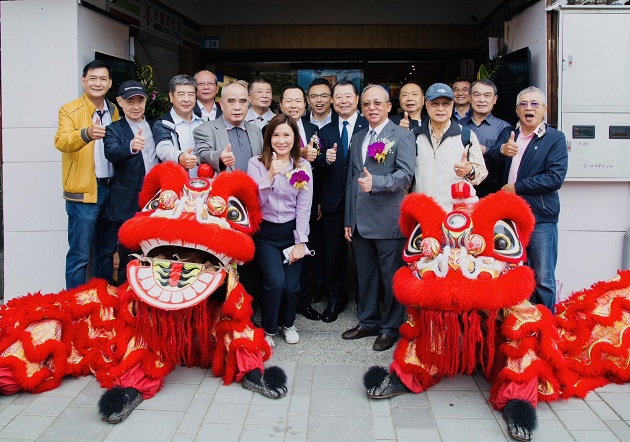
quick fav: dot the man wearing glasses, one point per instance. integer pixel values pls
(534, 160)
(461, 95)
(319, 101)
(381, 161)
(206, 108)
(486, 126)
(442, 158)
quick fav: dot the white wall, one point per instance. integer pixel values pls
(529, 29)
(45, 44)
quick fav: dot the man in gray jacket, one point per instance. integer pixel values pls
(228, 142)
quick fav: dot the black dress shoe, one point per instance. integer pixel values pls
(310, 313)
(383, 342)
(331, 313)
(358, 332)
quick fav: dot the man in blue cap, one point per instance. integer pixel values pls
(444, 156)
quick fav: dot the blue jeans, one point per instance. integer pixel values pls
(86, 229)
(542, 254)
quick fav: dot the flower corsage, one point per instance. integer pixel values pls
(298, 178)
(379, 149)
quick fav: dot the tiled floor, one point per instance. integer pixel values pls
(326, 402)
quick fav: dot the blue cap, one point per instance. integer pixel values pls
(438, 90)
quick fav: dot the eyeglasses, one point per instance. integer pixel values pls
(461, 89)
(526, 104)
(375, 103)
(316, 96)
(206, 83)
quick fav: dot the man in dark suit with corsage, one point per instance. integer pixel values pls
(333, 163)
(382, 162)
(129, 146)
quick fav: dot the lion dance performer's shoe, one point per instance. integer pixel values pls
(521, 420)
(272, 385)
(117, 404)
(380, 384)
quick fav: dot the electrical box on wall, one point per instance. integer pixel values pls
(593, 94)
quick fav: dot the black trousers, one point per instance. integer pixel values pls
(280, 282)
(335, 252)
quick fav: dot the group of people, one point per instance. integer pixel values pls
(329, 176)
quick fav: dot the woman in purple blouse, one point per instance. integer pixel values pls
(285, 194)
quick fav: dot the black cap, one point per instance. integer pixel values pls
(131, 88)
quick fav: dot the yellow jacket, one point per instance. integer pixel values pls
(77, 158)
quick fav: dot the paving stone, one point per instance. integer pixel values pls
(304, 371)
(383, 428)
(299, 405)
(183, 437)
(147, 425)
(337, 428)
(460, 404)
(614, 388)
(190, 422)
(297, 427)
(77, 423)
(89, 396)
(571, 404)
(269, 414)
(337, 402)
(70, 386)
(9, 412)
(412, 418)
(259, 433)
(603, 411)
(338, 376)
(581, 420)
(212, 432)
(618, 402)
(232, 394)
(219, 413)
(46, 406)
(415, 435)
(380, 408)
(25, 427)
(620, 428)
(420, 400)
(550, 430)
(173, 397)
(593, 436)
(24, 399)
(469, 429)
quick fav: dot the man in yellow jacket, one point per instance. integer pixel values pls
(86, 173)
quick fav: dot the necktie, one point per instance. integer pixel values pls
(344, 139)
(372, 136)
(100, 116)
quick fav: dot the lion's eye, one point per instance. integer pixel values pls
(414, 245)
(163, 199)
(506, 240)
(237, 213)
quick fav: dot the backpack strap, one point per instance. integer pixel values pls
(466, 139)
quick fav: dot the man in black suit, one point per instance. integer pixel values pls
(293, 104)
(333, 163)
(129, 146)
(411, 99)
(206, 107)
(382, 161)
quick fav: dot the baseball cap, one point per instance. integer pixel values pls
(131, 88)
(438, 90)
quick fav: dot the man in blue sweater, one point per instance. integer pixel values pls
(534, 159)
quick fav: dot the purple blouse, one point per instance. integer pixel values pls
(280, 202)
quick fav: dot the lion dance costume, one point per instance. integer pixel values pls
(466, 292)
(183, 303)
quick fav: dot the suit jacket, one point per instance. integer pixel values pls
(412, 123)
(311, 129)
(211, 138)
(333, 176)
(197, 110)
(375, 214)
(122, 203)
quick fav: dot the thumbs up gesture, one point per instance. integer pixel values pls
(276, 166)
(137, 144)
(404, 121)
(463, 168)
(309, 153)
(187, 159)
(509, 148)
(365, 181)
(227, 156)
(331, 154)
